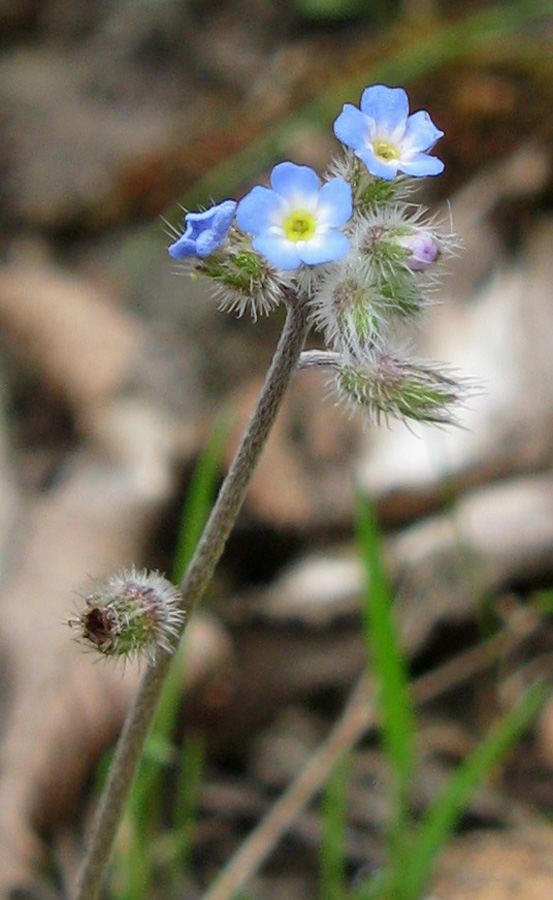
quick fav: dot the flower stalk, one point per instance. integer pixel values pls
(208, 552)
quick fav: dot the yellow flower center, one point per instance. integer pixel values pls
(385, 151)
(300, 226)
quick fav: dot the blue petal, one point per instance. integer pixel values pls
(224, 214)
(389, 107)
(216, 218)
(351, 127)
(279, 251)
(257, 210)
(207, 242)
(195, 222)
(330, 247)
(377, 166)
(334, 206)
(420, 164)
(421, 133)
(205, 231)
(183, 248)
(292, 181)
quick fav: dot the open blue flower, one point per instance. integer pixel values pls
(386, 137)
(205, 231)
(297, 221)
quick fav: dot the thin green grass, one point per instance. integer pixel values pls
(413, 846)
(333, 841)
(200, 496)
(445, 811)
(389, 668)
(150, 857)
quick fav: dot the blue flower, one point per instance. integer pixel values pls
(205, 231)
(386, 137)
(297, 220)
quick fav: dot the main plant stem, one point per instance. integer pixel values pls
(198, 575)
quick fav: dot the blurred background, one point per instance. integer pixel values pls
(114, 371)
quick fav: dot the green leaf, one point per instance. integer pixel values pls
(395, 704)
(188, 785)
(200, 497)
(333, 886)
(337, 9)
(444, 812)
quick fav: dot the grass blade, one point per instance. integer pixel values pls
(442, 815)
(200, 497)
(395, 705)
(333, 858)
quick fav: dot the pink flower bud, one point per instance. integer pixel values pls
(421, 249)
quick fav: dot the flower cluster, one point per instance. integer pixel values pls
(352, 246)
(131, 614)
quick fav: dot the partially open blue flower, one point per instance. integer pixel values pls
(205, 231)
(386, 137)
(297, 221)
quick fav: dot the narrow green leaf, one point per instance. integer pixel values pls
(442, 815)
(395, 705)
(132, 869)
(334, 820)
(172, 851)
(189, 781)
(200, 497)
(331, 10)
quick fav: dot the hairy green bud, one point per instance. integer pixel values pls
(388, 386)
(131, 614)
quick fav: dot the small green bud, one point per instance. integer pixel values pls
(388, 386)
(243, 278)
(381, 244)
(348, 311)
(357, 319)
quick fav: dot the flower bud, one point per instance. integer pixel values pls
(389, 386)
(243, 278)
(131, 614)
(380, 244)
(344, 309)
(421, 249)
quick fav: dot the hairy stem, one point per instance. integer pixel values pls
(198, 575)
(322, 359)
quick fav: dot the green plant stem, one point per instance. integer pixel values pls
(196, 579)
